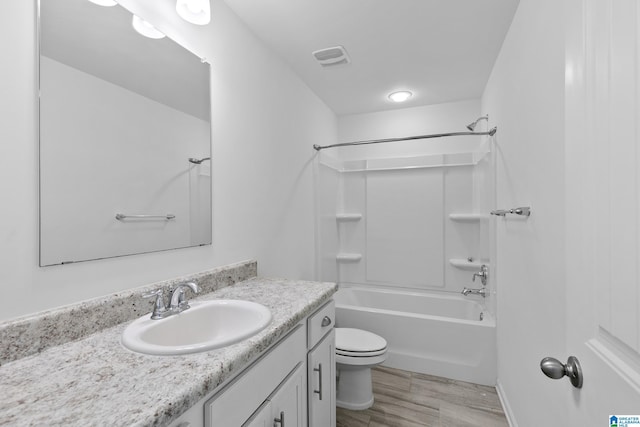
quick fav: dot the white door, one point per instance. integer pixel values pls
(603, 208)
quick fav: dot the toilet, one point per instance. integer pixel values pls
(357, 351)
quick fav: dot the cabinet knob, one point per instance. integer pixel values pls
(326, 321)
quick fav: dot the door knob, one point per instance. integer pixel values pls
(553, 368)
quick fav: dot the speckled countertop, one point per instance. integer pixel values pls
(96, 381)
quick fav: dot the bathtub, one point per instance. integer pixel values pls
(432, 333)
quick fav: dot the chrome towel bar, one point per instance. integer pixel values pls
(120, 216)
(523, 211)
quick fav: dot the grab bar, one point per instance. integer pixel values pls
(120, 216)
(523, 211)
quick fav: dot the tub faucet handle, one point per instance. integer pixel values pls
(482, 274)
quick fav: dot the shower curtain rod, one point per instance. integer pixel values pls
(406, 138)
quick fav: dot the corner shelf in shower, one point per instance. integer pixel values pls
(344, 257)
(465, 217)
(343, 217)
(465, 264)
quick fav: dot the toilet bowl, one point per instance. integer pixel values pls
(357, 351)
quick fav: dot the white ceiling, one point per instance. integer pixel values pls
(441, 50)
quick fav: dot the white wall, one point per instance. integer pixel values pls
(265, 121)
(525, 99)
(437, 118)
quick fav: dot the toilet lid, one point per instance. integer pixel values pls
(358, 341)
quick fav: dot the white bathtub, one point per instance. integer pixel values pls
(431, 333)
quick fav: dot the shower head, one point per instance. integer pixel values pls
(472, 126)
(198, 161)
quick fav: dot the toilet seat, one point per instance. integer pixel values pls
(358, 343)
(360, 353)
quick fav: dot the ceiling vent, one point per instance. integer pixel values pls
(332, 56)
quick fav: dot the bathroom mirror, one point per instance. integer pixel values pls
(120, 116)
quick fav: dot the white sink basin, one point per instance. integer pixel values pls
(205, 326)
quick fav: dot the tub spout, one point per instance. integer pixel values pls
(481, 292)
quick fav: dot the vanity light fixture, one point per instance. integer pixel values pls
(106, 3)
(146, 29)
(400, 96)
(195, 11)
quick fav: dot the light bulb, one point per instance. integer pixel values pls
(400, 96)
(145, 28)
(107, 3)
(195, 11)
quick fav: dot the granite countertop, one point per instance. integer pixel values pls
(96, 381)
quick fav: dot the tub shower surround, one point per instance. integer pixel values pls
(32, 334)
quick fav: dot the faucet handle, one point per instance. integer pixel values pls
(482, 274)
(158, 307)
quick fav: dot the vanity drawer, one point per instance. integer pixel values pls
(321, 322)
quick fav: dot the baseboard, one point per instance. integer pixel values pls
(511, 419)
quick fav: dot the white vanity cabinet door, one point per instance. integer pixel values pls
(235, 403)
(285, 407)
(321, 376)
(287, 403)
(262, 417)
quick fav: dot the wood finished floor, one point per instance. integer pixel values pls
(408, 399)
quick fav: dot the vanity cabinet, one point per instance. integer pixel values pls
(321, 375)
(321, 367)
(262, 417)
(264, 380)
(293, 381)
(285, 407)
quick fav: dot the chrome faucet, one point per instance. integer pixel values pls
(177, 301)
(482, 274)
(482, 292)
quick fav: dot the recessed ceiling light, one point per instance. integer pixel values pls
(400, 96)
(107, 3)
(146, 29)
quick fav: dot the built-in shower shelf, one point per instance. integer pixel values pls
(348, 217)
(465, 217)
(348, 257)
(465, 264)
